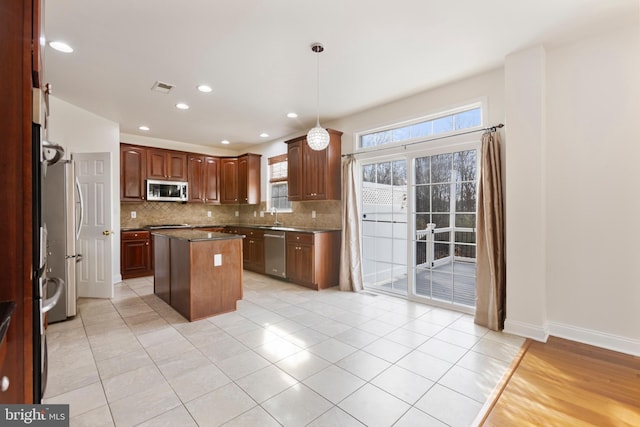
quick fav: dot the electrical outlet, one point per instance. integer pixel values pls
(133, 214)
(217, 260)
(237, 213)
(313, 214)
(255, 214)
(261, 214)
(209, 214)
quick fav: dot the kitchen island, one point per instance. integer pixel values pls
(198, 273)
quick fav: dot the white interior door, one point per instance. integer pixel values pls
(95, 241)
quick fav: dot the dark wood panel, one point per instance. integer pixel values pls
(211, 179)
(180, 265)
(16, 228)
(229, 174)
(132, 173)
(162, 270)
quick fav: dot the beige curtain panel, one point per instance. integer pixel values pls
(350, 263)
(490, 255)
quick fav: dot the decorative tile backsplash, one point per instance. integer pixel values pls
(328, 214)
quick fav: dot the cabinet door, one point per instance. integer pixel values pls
(135, 258)
(195, 172)
(229, 174)
(157, 164)
(257, 256)
(243, 168)
(177, 166)
(314, 179)
(294, 170)
(211, 180)
(132, 173)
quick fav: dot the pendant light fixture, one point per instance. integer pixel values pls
(318, 137)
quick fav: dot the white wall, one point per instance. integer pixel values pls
(571, 197)
(593, 149)
(80, 131)
(175, 145)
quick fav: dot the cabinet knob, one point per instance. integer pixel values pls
(147, 243)
(4, 384)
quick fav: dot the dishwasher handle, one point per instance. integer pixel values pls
(277, 236)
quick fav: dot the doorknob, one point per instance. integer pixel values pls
(106, 233)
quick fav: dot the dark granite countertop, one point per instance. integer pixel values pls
(195, 227)
(196, 235)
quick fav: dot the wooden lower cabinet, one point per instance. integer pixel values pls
(191, 283)
(135, 254)
(313, 259)
(253, 249)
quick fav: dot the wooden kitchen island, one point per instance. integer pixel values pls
(198, 273)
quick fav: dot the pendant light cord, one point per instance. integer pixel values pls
(318, 89)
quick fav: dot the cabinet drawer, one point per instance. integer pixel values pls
(135, 235)
(252, 232)
(294, 237)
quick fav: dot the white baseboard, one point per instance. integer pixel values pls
(599, 339)
(527, 330)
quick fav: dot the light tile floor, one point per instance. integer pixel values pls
(288, 356)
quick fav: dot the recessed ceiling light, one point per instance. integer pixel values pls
(61, 46)
(204, 88)
(182, 106)
(225, 142)
(292, 115)
(264, 135)
(144, 128)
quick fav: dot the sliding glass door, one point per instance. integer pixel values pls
(444, 188)
(418, 226)
(384, 226)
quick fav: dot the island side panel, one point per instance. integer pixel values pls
(180, 277)
(215, 289)
(327, 258)
(162, 272)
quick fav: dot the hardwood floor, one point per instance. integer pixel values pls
(564, 383)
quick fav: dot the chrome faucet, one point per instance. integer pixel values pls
(274, 210)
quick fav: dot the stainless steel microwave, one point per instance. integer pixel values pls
(166, 191)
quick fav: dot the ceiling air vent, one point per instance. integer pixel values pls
(162, 87)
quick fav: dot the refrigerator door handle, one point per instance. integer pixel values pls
(49, 303)
(79, 228)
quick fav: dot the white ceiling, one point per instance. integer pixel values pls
(256, 55)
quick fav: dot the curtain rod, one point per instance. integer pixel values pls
(487, 129)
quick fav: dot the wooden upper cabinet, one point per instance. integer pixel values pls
(240, 179)
(195, 167)
(294, 168)
(204, 179)
(249, 179)
(132, 172)
(166, 165)
(211, 179)
(314, 175)
(229, 174)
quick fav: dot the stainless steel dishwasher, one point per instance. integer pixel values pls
(275, 253)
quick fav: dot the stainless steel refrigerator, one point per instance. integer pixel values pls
(62, 212)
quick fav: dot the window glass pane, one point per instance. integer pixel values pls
(466, 197)
(441, 250)
(442, 125)
(440, 197)
(421, 129)
(441, 237)
(401, 134)
(447, 123)
(466, 220)
(468, 119)
(465, 165)
(400, 173)
(466, 251)
(465, 237)
(369, 173)
(421, 222)
(441, 221)
(441, 168)
(422, 170)
(423, 198)
(384, 173)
